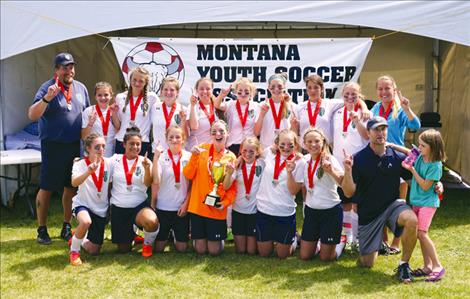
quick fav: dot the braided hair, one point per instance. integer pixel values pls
(146, 74)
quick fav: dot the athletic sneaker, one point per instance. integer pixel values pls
(404, 273)
(138, 239)
(66, 232)
(43, 237)
(147, 250)
(75, 259)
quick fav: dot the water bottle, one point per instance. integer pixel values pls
(411, 158)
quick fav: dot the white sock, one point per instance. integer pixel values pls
(347, 226)
(76, 244)
(340, 247)
(149, 237)
(355, 225)
(317, 250)
(229, 217)
(294, 243)
(222, 245)
(401, 263)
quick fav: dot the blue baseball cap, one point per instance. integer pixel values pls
(376, 122)
(63, 59)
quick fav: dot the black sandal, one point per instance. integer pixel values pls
(420, 272)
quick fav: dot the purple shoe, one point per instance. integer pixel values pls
(436, 276)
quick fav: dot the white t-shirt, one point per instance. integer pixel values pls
(268, 130)
(236, 131)
(275, 199)
(87, 194)
(169, 197)
(120, 195)
(98, 128)
(242, 204)
(159, 122)
(324, 195)
(141, 121)
(351, 142)
(202, 134)
(323, 121)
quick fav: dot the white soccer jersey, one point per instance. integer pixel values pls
(268, 129)
(236, 131)
(243, 204)
(157, 117)
(98, 128)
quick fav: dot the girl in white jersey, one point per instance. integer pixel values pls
(91, 175)
(172, 189)
(350, 135)
(98, 118)
(275, 219)
(241, 114)
(202, 112)
(134, 107)
(167, 112)
(275, 113)
(323, 213)
(131, 176)
(248, 176)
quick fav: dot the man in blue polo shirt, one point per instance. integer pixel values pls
(58, 106)
(374, 180)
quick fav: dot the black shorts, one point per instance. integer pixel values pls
(323, 224)
(122, 222)
(208, 228)
(144, 148)
(243, 224)
(169, 220)
(279, 229)
(96, 229)
(56, 164)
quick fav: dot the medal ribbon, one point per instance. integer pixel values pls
(210, 115)
(276, 116)
(128, 172)
(311, 171)
(176, 166)
(387, 112)
(278, 166)
(248, 181)
(347, 121)
(98, 181)
(67, 93)
(313, 118)
(168, 117)
(104, 122)
(242, 117)
(135, 106)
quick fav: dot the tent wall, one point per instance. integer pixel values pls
(454, 106)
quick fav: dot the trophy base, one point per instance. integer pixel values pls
(212, 200)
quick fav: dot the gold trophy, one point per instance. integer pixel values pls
(218, 175)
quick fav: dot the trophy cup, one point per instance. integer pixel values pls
(217, 172)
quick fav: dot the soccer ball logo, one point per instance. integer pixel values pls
(159, 59)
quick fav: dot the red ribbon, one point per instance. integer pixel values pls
(313, 118)
(128, 172)
(210, 115)
(248, 181)
(346, 120)
(67, 93)
(387, 112)
(98, 181)
(311, 172)
(242, 117)
(135, 106)
(176, 166)
(276, 116)
(168, 117)
(104, 122)
(278, 166)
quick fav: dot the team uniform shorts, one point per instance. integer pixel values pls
(122, 222)
(325, 225)
(243, 224)
(207, 228)
(280, 229)
(169, 220)
(96, 230)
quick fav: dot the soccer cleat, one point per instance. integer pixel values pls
(43, 236)
(75, 259)
(147, 250)
(404, 273)
(138, 239)
(66, 232)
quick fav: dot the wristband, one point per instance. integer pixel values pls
(45, 101)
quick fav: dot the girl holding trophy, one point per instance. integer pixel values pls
(209, 200)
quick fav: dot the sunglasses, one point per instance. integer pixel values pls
(99, 146)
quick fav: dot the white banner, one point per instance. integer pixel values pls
(226, 60)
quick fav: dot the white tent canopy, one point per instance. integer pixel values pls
(27, 25)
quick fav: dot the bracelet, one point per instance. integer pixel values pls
(45, 101)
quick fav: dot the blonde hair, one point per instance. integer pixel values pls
(141, 70)
(354, 86)
(103, 84)
(220, 122)
(252, 141)
(283, 78)
(317, 80)
(175, 127)
(244, 80)
(433, 138)
(170, 80)
(288, 132)
(396, 101)
(325, 148)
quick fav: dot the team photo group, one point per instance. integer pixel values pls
(139, 161)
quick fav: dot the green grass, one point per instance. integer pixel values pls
(29, 270)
